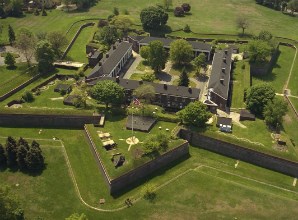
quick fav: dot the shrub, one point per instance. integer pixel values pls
(110, 17)
(178, 12)
(28, 96)
(62, 92)
(149, 77)
(186, 28)
(186, 7)
(102, 23)
(126, 12)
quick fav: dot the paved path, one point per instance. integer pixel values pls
(133, 68)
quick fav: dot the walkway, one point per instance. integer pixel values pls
(133, 68)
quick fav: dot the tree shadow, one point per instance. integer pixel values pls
(163, 76)
(11, 67)
(161, 32)
(179, 67)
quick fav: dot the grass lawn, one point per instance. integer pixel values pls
(280, 72)
(256, 136)
(117, 128)
(50, 99)
(52, 195)
(78, 50)
(294, 78)
(11, 78)
(294, 102)
(241, 81)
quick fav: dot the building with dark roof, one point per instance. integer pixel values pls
(167, 96)
(224, 124)
(94, 57)
(66, 88)
(198, 47)
(113, 61)
(219, 82)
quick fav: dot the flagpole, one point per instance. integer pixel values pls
(132, 123)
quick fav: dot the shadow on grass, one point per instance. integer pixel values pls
(142, 181)
(163, 76)
(32, 173)
(179, 67)
(11, 67)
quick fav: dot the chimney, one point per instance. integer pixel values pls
(224, 60)
(204, 41)
(226, 51)
(165, 86)
(107, 55)
(222, 80)
(117, 79)
(223, 70)
(99, 63)
(189, 89)
(114, 47)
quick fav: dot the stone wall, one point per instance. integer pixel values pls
(240, 153)
(75, 37)
(63, 121)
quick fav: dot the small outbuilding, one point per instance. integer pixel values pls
(65, 88)
(69, 100)
(224, 124)
(246, 115)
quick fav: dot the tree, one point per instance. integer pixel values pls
(186, 28)
(11, 151)
(3, 159)
(293, 6)
(186, 7)
(26, 43)
(167, 4)
(183, 78)
(22, 151)
(148, 192)
(157, 56)
(77, 216)
(156, 142)
(34, 158)
(153, 18)
(265, 36)
(144, 52)
(259, 50)
(108, 91)
(242, 23)
(108, 35)
(58, 41)
(199, 62)
(9, 206)
(14, 8)
(258, 96)
(181, 51)
(45, 56)
(195, 113)
(28, 96)
(11, 35)
(178, 12)
(122, 22)
(145, 92)
(10, 60)
(274, 112)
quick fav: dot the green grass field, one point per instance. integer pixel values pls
(11, 78)
(206, 185)
(280, 72)
(241, 81)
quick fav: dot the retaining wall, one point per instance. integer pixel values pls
(75, 37)
(245, 154)
(63, 121)
(131, 177)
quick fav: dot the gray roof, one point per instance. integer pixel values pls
(95, 55)
(62, 87)
(224, 121)
(167, 41)
(137, 37)
(219, 80)
(180, 91)
(108, 63)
